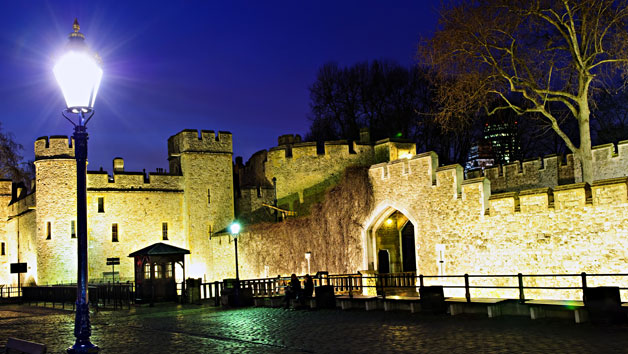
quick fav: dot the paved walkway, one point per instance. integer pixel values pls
(172, 328)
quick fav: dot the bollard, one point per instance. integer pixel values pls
(522, 298)
(467, 293)
(583, 275)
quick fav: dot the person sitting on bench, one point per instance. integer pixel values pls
(293, 290)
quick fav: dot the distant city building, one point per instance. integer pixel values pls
(499, 145)
(480, 156)
(503, 135)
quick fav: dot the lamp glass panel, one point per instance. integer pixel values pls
(78, 75)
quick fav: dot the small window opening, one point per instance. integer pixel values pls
(114, 232)
(3, 252)
(48, 230)
(164, 231)
(208, 197)
(101, 204)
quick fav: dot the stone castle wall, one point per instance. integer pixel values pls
(541, 231)
(303, 172)
(195, 198)
(205, 162)
(566, 229)
(553, 170)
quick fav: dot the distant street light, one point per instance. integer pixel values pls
(234, 230)
(308, 255)
(78, 73)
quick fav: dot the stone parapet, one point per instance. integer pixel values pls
(571, 196)
(535, 200)
(610, 191)
(56, 146)
(504, 203)
(190, 140)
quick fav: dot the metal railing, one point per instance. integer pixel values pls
(101, 296)
(9, 292)
(519, 286)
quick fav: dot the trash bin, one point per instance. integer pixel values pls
(604, 304)
(432, 299)
(325, 298)
(234, 296)
(193, 290)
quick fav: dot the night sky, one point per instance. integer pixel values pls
(243, 67)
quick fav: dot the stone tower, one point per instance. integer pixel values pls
(56, 209)
(205, 162)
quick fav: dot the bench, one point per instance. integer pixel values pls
(402, 303)
(541, 308)
(369, 303)
(268, 301)
(490, 306)
(19, 346)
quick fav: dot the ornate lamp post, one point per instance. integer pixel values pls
(78, 72)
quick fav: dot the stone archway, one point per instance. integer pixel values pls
(390, 229)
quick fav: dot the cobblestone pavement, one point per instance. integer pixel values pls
(170, 328)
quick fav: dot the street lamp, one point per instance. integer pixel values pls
(234, 230)
(78, 72)
(308, 255)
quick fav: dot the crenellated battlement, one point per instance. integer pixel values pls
(56, 146)
(383, 150)
(608, 192)
(190, 140)
(446, 183)
(609, 161)
(532, 173)
(125, 181)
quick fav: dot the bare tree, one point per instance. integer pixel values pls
(10, 160)
(391, 100)
(531, 56)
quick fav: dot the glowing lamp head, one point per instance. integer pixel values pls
(234, 229)
(78, 73)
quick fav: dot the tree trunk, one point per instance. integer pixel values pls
(584, 152)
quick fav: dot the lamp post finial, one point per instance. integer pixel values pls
(76, 34)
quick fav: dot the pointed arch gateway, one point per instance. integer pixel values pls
(389, 240)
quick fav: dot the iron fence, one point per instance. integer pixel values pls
(520, 285)
(101, 296)
(9, 292)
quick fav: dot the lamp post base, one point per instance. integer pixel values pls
(83, 348)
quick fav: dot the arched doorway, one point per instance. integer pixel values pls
(391, 244)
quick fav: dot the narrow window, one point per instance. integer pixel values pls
(3, 251)
(158, 270)
(101, 204)
(48, 231)
(73, 229)
(208, 197)
(168, 272)
(164, 231)
(146, 270)
(114, 232)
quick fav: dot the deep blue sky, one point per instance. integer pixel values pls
(243, 67)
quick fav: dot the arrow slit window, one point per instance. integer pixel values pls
(114, 232)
